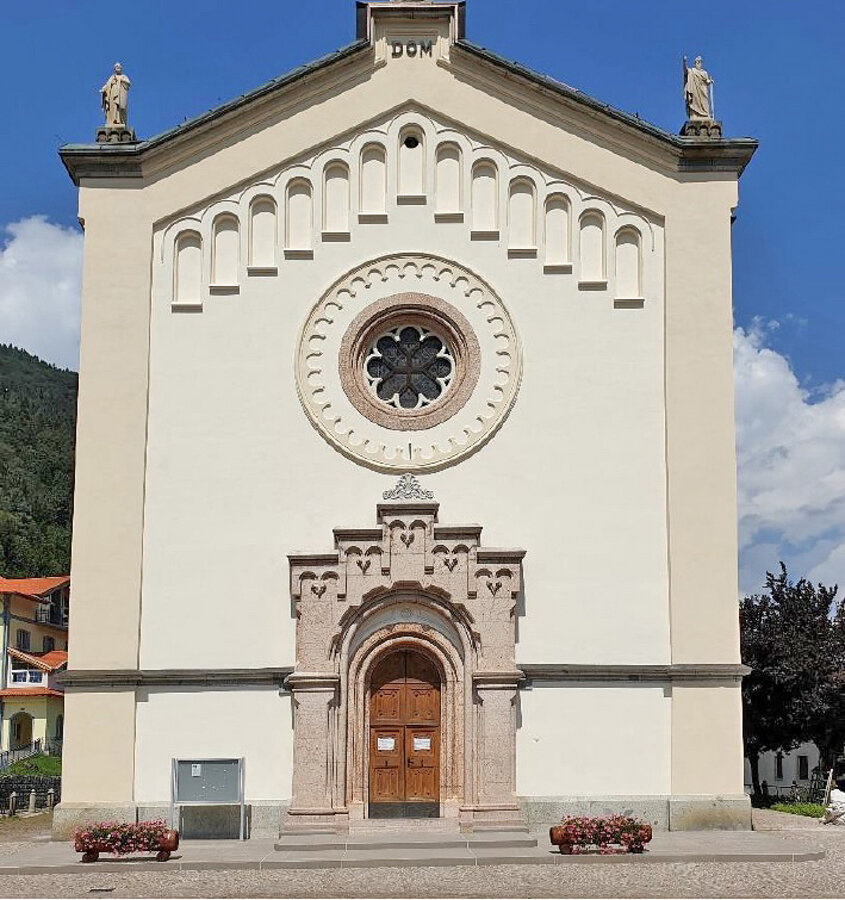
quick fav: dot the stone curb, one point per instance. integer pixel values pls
(342, 861)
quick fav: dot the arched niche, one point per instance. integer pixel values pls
(335, 200)
(262, 233)
(591, 245)
(411, 169)
(225, 251)
(522, 217)
(485, 199)
(373, 181)
(557, 231)
(299, 219)
(629, 276)
(448, 191)
(187, 268)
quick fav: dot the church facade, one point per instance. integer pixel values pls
(405, 461)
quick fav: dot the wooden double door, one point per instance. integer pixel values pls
(404, 737)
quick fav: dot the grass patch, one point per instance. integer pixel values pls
(34, 765)
(815, 810)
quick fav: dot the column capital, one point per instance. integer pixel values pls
(498, 680)
(313, 682)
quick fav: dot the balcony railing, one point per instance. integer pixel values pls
(50, 615)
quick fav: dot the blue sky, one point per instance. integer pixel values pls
(777, 68)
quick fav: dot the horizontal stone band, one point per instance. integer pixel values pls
(130, 678)
(676, 672)
(534, 672)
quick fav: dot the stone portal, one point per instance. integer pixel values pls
(426, 598)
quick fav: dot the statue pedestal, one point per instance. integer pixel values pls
(115, 134)
(704, 128)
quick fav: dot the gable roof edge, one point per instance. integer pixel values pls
(692, 154)
(124, 160)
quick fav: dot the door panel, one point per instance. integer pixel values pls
(405, 737)
(421, 763)
(422, 704)
(387, 764)
(386, 707)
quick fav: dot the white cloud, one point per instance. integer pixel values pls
(791, 461)
(40, 276)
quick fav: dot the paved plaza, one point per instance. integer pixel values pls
(232, 871)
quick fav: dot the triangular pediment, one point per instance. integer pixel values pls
(421, 57)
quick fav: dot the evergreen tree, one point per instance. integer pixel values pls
(37, 430)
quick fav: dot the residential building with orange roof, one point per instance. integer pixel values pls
(34, 645)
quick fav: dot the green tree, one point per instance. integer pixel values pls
(37, 428)
(792, 638)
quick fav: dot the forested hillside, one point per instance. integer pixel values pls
(37, 428)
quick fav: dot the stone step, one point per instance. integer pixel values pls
(408, 856)
(426, 842)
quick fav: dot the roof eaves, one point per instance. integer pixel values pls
(69, 153)
(736, 152)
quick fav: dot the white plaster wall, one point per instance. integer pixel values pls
(237, 478)
(251, 722)
(578, 739)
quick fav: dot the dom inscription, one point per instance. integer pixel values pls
(411, 48)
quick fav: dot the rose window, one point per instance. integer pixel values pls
(409, 367)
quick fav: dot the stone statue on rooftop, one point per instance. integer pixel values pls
(698, 99)
(113, 98)
(697, 91)
(113, 95)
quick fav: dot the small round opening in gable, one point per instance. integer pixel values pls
(411, 142)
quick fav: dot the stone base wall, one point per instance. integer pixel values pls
(665, 813)
(263, 819)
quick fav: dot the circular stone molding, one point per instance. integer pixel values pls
(426, 314)
(437, 297)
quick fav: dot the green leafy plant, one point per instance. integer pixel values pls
(815, 810)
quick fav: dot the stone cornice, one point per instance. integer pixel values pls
(125, 160)
(670, 151)
(118, 679)
(662, 673)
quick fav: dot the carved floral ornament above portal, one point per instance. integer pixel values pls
(408, 363)
(408, 488)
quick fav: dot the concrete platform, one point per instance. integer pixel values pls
(438, 849)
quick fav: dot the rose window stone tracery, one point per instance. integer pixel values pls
(409, 367)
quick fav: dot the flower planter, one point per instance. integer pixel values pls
(558, 838)
(613, 834)
(121, 839)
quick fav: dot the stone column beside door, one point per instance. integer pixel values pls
(495, 764)
(314, 701)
